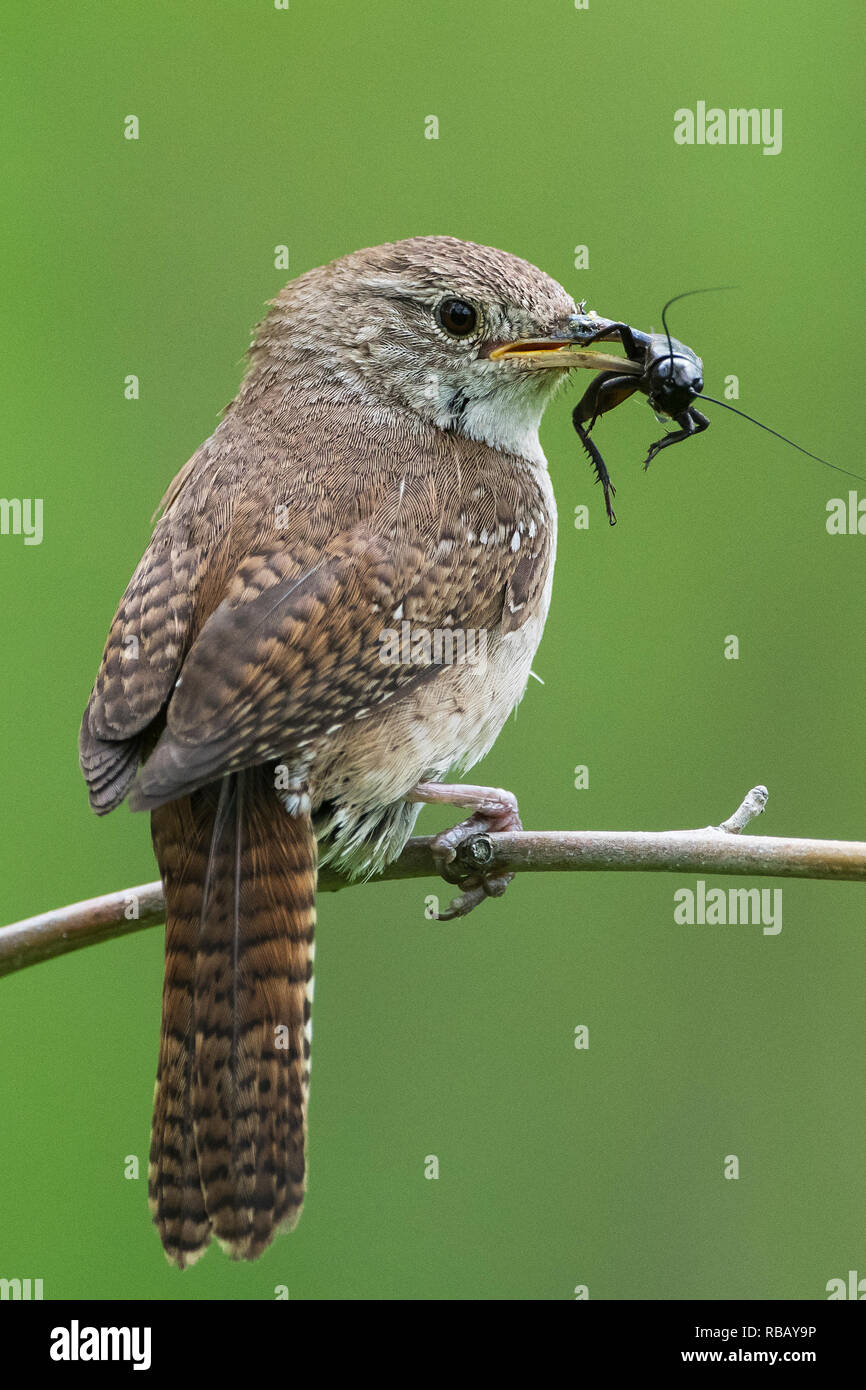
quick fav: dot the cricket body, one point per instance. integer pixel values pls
(667, 372)
(379, 466)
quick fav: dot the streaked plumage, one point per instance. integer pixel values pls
(338, 497)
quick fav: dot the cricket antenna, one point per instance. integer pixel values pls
(710, 289)
(783, 437)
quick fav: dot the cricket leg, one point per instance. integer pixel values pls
(623, 331)
(605, 392)
(690, 422)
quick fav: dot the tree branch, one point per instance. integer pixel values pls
(717, 849)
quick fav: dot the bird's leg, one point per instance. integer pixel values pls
(493, 810)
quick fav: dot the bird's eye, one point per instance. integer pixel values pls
(457, 317)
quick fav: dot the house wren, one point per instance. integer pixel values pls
(380, 467)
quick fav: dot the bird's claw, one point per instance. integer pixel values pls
(475, 890)
(471, 834)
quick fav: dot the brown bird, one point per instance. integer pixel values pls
(379, 473)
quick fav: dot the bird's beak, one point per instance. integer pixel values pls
(566, 350)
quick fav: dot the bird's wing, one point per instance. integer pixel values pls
(143, 653)
(300, 645)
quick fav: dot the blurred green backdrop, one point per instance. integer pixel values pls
(305, 127)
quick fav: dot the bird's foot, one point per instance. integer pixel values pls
(460, 853)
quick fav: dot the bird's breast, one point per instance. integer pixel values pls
(469, 682)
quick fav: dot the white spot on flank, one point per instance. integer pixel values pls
(397, 614)
(515, 540)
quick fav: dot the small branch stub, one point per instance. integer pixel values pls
(752, 805)
(476, 853)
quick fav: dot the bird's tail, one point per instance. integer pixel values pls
(227, 1155)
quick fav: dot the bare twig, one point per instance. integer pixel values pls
(754, 803)
(712, 850)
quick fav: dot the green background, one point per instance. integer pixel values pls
(306, 127)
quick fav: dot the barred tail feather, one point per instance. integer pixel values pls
(229, 1129)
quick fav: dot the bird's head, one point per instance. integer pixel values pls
(470, 339)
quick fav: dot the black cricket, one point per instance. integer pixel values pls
(669, 374)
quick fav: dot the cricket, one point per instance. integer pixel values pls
(668, 373)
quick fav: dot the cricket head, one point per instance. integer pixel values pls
(675, 377)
